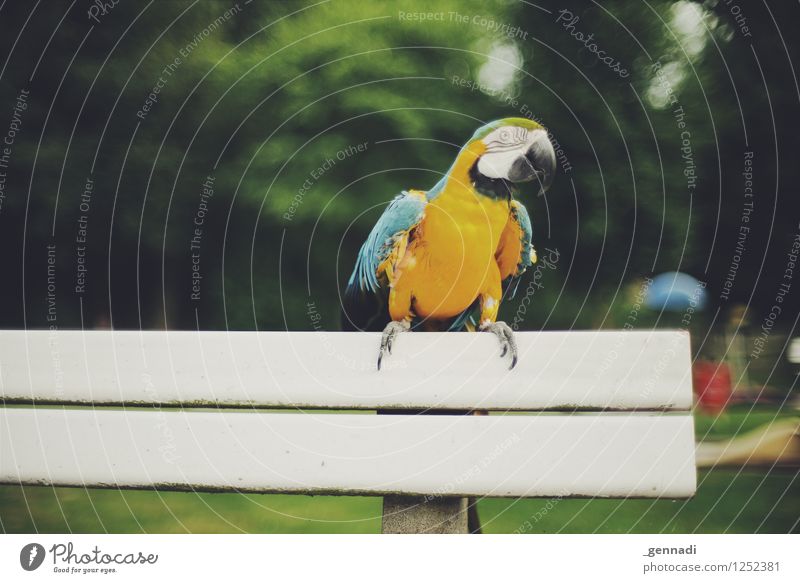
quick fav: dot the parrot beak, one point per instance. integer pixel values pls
(538, 163)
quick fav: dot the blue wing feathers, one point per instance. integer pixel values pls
(402, 214)
(364, 305)
(520, 214)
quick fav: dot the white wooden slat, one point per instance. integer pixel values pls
(583, 370)
(615, 455)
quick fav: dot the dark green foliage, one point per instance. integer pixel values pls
(268, 96)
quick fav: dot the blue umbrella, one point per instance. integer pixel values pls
(675, 291)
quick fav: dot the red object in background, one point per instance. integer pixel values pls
(712, 385)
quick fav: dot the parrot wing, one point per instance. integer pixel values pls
(515, 253)
(364, 301)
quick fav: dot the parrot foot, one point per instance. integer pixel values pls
(506, 337)
(389, 334)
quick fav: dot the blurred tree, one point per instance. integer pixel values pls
(302, 120)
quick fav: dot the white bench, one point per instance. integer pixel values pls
(608, 414)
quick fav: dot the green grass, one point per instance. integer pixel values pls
(41, 509)
(726, 501)
(738, 419)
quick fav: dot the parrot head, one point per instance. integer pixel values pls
(509, 151)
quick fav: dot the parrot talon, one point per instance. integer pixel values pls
(389, 334)
(506, 337)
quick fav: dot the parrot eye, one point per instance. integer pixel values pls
(509, 136)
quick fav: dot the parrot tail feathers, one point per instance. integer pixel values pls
(364, 310)
(466, 320)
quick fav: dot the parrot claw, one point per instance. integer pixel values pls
(506, 337)
(389, 334)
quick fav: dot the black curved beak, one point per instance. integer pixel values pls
(538, 163)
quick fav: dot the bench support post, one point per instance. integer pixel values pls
(429, 514)
(424, 514)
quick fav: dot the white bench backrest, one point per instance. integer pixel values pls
(645, 447)
(556, 370)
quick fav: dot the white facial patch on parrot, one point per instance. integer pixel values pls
(503, 146)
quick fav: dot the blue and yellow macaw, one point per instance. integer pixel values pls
(444, 259)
